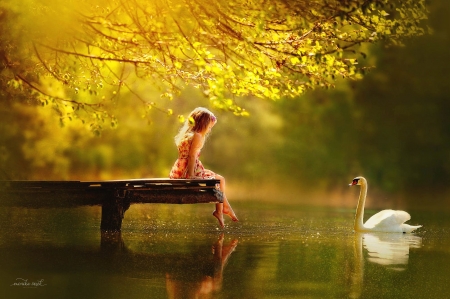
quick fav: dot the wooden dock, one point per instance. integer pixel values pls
(115, 197)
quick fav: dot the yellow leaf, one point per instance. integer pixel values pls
(295, 60)
(178, 64)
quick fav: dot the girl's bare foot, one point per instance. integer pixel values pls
(231, 215)
(219, 217)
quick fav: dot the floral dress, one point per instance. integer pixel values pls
(180, 169)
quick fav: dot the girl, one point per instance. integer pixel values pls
(190, 140)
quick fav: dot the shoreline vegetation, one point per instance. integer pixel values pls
(340, 197)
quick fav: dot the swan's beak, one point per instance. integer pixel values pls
(354, 182)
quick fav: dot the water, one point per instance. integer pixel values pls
(176, 251)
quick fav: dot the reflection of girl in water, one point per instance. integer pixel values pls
(204, 286)
(190, 141)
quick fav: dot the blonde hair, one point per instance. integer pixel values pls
(197, 121)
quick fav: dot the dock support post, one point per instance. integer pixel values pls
(113, 211)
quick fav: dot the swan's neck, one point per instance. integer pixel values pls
(359, 218)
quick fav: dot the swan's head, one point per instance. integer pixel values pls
(359, 180)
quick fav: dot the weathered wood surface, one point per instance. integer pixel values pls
(115, 197)
(36, 194)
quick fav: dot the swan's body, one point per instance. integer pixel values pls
(388, 221)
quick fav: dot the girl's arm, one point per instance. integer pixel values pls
(196, 146)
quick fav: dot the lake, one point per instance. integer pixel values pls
(177, 251)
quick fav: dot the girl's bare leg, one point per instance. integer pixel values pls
(227, 210)
(218, 213)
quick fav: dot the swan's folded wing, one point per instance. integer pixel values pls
(387, 218)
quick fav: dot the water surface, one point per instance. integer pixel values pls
(176, 251)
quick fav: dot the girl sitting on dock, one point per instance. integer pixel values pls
(190, 140)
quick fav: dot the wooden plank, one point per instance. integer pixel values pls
(173, 196)
(37, 194)
(153, 182)
(157, 183)
(167, 187)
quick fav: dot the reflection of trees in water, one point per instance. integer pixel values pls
(198, 270)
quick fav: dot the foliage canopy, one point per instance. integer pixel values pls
(79, 55)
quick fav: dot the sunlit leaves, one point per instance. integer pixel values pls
(229, 49)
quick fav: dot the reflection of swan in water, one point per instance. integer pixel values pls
(388, 250)
(388, 221)
(206, 285)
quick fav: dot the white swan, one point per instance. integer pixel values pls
(388, 221)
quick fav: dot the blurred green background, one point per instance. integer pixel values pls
(391, 127)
